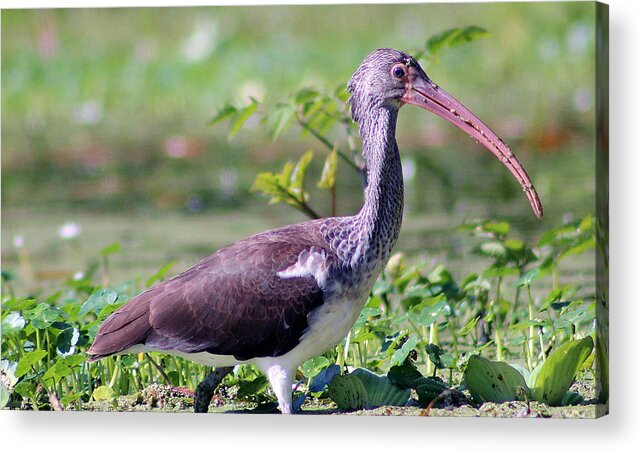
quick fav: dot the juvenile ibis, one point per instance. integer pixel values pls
(283, 296)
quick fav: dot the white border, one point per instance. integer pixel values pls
(622, 428)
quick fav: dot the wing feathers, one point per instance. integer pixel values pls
(234, 302)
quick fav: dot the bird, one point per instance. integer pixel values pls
(280, 297)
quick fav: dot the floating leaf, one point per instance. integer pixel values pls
(559, 370)
(493, 381)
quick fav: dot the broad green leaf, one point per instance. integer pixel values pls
(404, 375)
(454, 37)
(328, 175)
(380, 390)
(241, 118)
(428, 389)
(313, 366)
(98, 300)
(224, 113)
(428, 311)
(42, 316)
(28, 360)
(559, 370)
(103, 393)
(59, 370)
(493, 381)
(496, 227)
(348, 392)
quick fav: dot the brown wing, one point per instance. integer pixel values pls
(231, 303)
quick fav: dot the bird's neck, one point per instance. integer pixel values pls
(380, 217)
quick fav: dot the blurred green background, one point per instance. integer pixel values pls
(105, 111)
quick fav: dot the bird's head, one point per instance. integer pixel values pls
(389, 78)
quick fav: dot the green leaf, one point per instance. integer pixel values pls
(103, 393)
(428, 389)
(28, 360)
(400, 355)
(241, 118)
(380, 390)
(281, 119)
(59, 370)
(224, 113)
(313, 366)
(297, 178)
(453, 38)
(494, 249)
(493, 381)
(428, 311)
(348, 392)
(472, 323)
(404, 375)
(253, 387)
(110, 249)
(160, 274)
(98, 300)
(328, 175)
(305, 95)
(559, 370)
(365, 389)
(4, 395)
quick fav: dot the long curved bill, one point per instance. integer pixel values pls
(421, 91)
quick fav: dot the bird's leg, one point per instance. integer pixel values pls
(205, 389)
(281, 380)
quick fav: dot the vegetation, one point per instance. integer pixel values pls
(426, 338)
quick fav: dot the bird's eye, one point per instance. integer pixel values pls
(398, 72)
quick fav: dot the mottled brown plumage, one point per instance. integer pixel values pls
(230, 303)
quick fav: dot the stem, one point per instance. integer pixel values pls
(160, 369)
(325, 142)
(531, 329)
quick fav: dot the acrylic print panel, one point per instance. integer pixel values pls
(136, 142)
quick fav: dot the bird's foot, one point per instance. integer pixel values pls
(205, 389)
